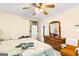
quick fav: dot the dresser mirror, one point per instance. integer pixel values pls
(55, 29)
(54, 39)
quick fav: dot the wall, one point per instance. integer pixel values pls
(16, 25)
(13, 26)
(68, 20)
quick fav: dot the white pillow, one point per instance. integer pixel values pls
(63, 45)
(77, 49)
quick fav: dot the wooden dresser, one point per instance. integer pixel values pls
(54, 42)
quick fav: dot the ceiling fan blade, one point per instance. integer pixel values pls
(26, 7)
(34, 13)
(48, 6)
(43, 11)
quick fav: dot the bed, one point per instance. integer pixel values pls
(39, 48)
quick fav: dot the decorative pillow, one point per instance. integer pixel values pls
(63, 45)
(77, 49)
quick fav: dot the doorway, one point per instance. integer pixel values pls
(34, 29)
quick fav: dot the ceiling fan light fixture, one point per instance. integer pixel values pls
(37, 10)
(41, 9)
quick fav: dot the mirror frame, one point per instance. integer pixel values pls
(58, 25)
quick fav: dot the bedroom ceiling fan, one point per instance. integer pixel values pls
(39, 7)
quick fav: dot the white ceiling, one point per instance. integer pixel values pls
(16, 8)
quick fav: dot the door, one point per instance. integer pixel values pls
(34, 29)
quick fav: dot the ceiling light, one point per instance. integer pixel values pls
(37, 10)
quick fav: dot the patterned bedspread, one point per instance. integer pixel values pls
(39, 48)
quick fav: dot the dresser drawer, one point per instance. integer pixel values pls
(54, 42)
